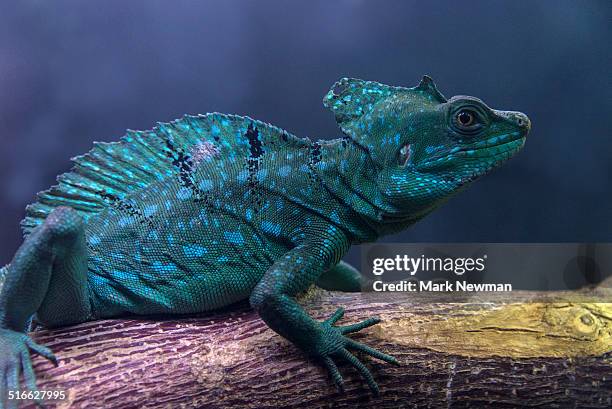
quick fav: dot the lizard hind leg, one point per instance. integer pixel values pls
(48, 275)
(67, 299)
(47, 278)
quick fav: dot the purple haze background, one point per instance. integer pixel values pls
(75, 72)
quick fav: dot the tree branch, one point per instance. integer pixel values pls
(453, 354)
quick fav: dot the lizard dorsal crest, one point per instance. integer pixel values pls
(350, 99)
(106, 175)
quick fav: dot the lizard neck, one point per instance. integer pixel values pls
(347, 170)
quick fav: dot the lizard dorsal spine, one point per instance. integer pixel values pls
(109, 172)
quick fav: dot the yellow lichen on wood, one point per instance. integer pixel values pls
(523, 330)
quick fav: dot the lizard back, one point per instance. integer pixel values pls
(109, 173)
(180, 211)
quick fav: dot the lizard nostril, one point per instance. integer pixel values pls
(516, 118)
(523, 121)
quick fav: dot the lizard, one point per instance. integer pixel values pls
(207, 210)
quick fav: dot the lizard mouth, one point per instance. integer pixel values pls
(495, 159)
(491, 152)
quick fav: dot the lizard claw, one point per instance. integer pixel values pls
(42, 350)
(334, 344)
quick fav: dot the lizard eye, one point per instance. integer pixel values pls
(468, 121)
(465, 118)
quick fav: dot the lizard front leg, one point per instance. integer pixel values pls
(342, 277)
(273, 299)
(47, 277)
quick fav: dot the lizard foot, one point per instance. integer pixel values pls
(334, 344)
(14, 360)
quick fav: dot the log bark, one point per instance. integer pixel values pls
(452, 354)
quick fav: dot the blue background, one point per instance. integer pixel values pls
(74, 72)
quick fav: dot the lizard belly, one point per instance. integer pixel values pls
(176, 271)
(165, 289)
(143, 294)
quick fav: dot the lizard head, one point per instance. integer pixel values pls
(425, 148)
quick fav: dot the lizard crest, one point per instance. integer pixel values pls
(110, 173)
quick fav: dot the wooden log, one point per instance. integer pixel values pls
(452, 354)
